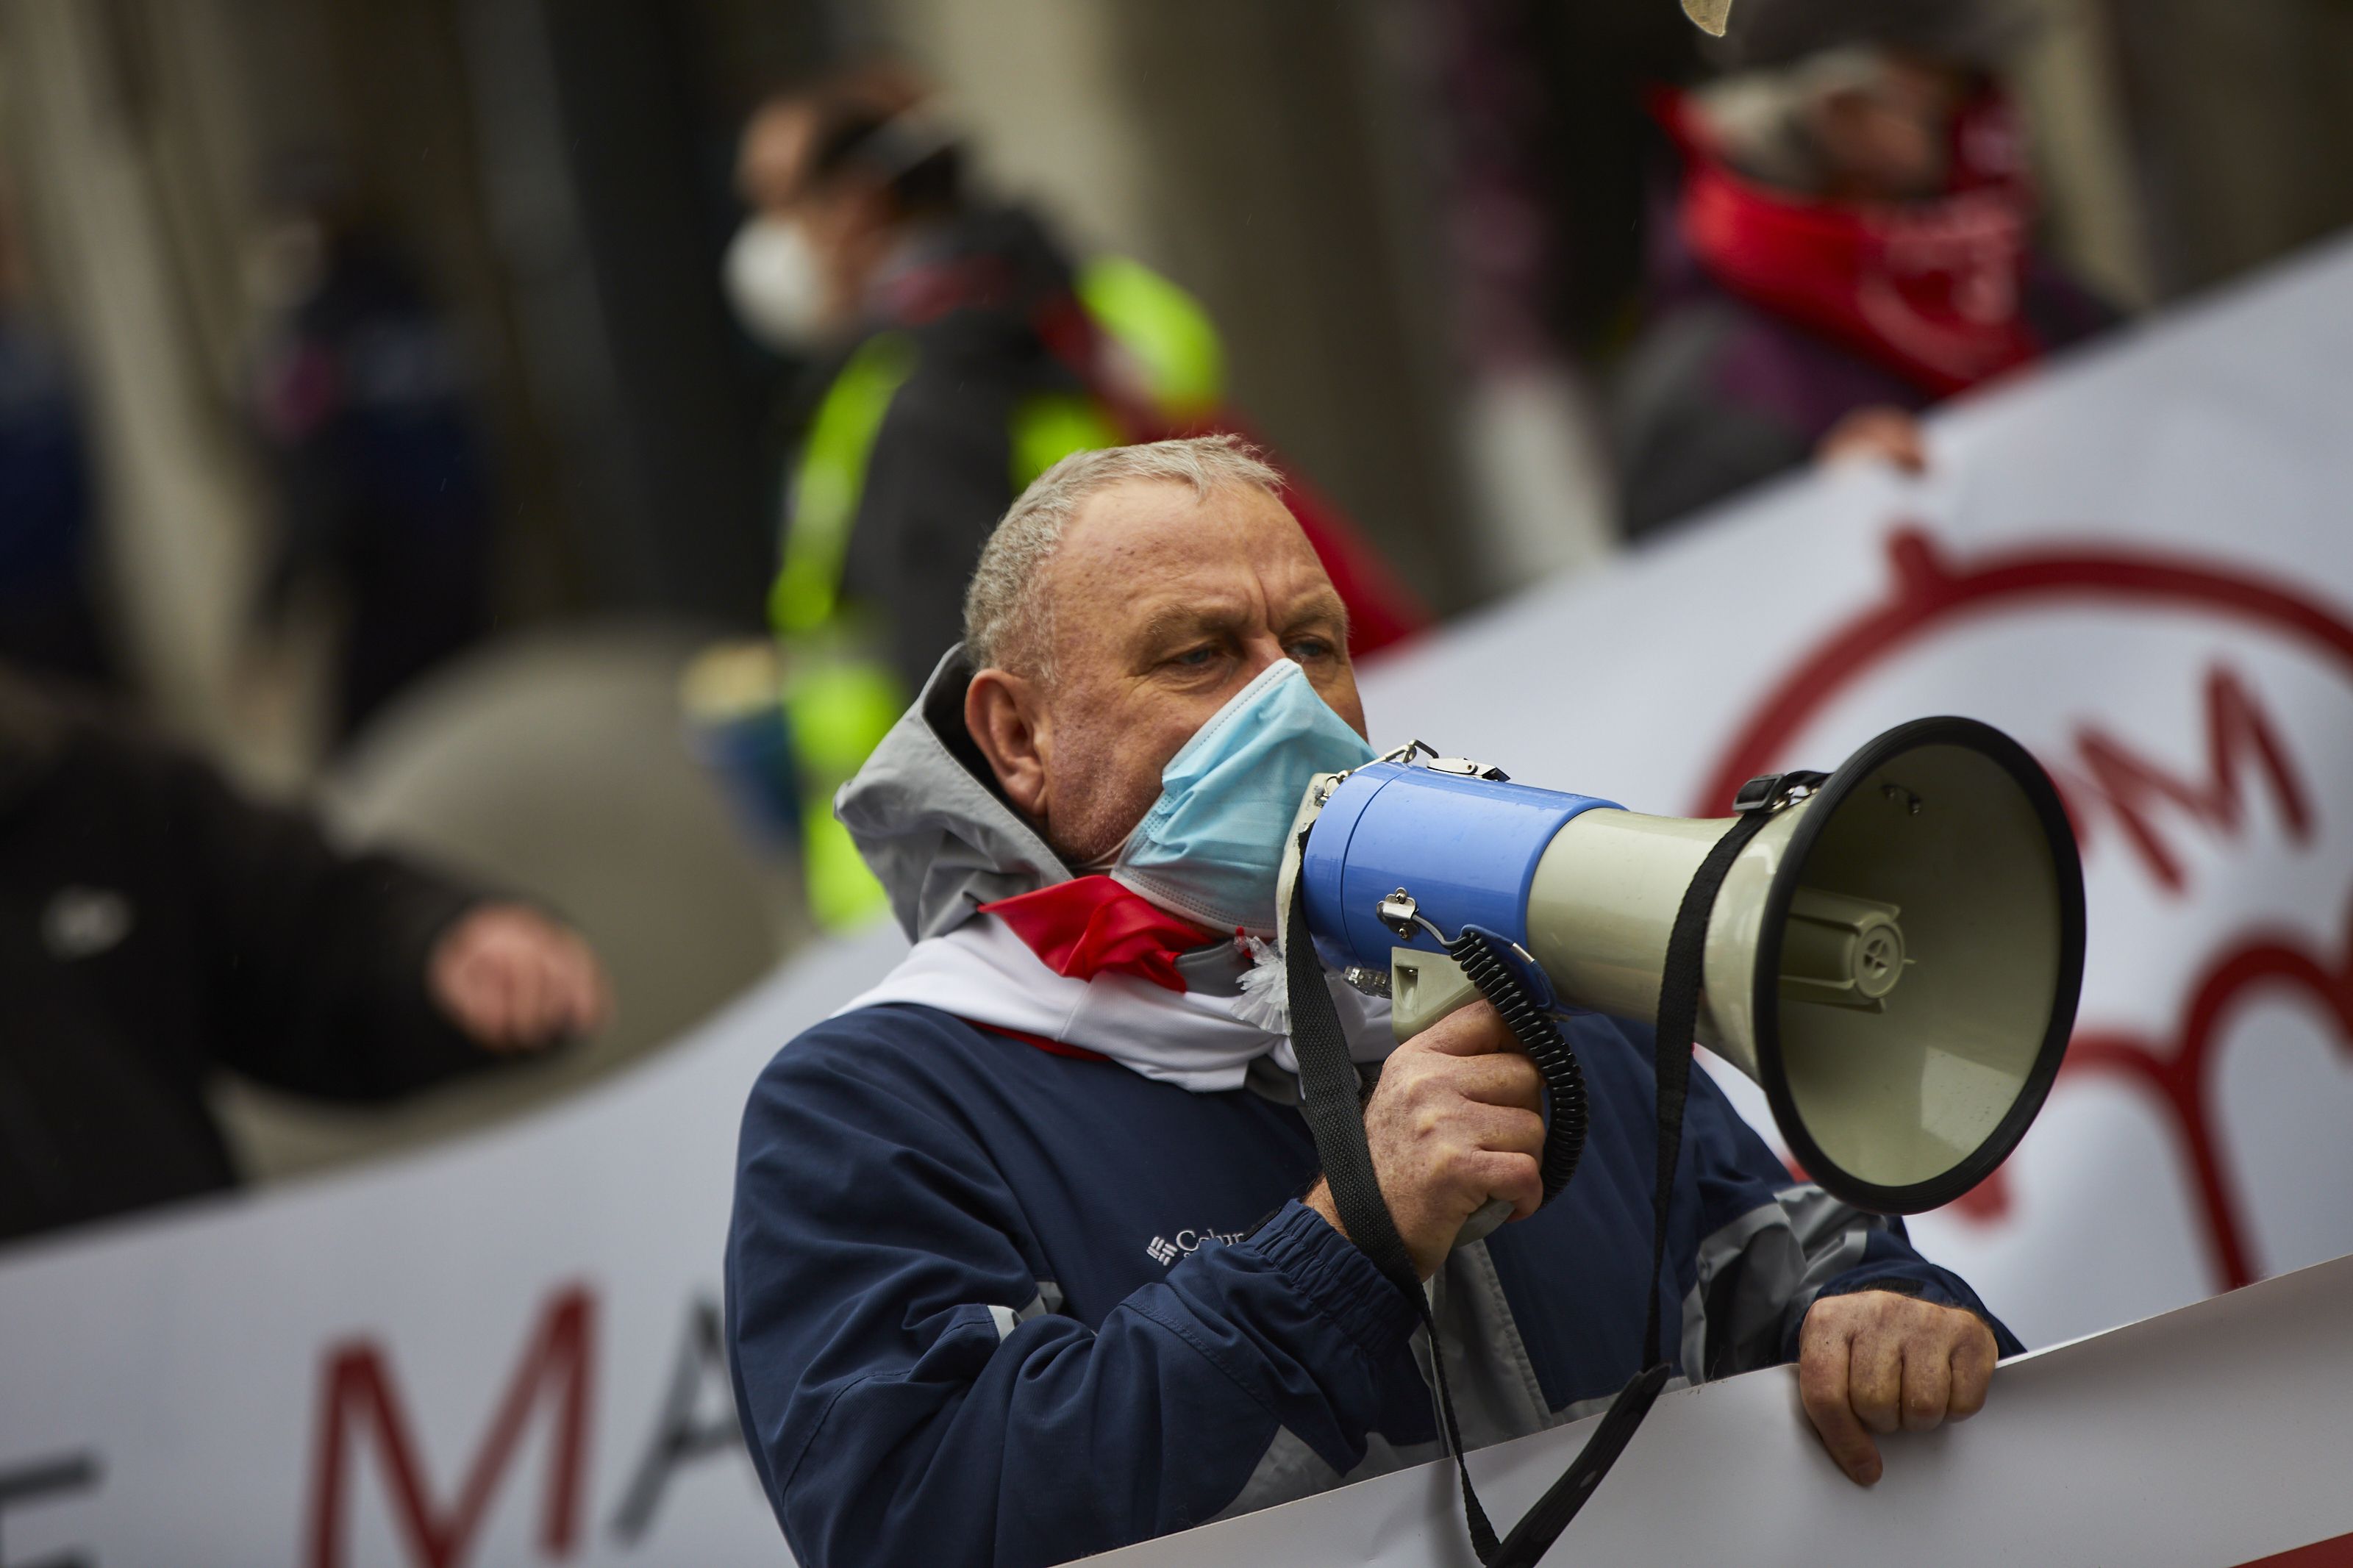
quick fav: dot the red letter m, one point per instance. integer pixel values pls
(2237, 734)
(359, 1393)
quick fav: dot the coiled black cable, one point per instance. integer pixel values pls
(1540, 1038)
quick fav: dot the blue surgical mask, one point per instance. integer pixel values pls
(1210, 846)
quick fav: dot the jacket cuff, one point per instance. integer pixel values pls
(415, 925)
(1330, 1270)
(1921, 1280)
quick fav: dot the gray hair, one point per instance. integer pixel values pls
(1007, 619)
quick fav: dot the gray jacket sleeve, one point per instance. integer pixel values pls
(1771, 1246)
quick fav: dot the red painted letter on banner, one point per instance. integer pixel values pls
(358, 1396)
(2238, 734)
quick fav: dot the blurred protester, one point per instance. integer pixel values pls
(359, 398)
(47, 618)
(1852, 241)
(961, 352)
(160, 928)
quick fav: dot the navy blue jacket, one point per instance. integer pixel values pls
(992, 1305)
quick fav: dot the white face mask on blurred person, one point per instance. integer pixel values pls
(775, 283)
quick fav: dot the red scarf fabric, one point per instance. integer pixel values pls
(1091, 925)
(1928, 289)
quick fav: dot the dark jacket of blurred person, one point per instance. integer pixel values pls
(157, 928)
(359, 398)
(957, 353)
(1852, 242)
(49, 618)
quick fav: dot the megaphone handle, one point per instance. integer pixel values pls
(1484, 1222)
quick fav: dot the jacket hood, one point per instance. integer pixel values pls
(927, 817)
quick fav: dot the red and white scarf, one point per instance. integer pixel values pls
(1929, 289)
(1088, 968)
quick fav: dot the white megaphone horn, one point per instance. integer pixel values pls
(1894, 956)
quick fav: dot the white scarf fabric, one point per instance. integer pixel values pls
(982, 972)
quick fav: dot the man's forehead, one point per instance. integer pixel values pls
(1165, 526)
(1150, 559)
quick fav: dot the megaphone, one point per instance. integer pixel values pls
(1894, 955)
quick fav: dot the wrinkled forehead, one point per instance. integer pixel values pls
(1140, 550)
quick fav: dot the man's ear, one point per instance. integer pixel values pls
(1005, 715)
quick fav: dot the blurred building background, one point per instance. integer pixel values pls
(1420, 225)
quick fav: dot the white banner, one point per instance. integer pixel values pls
(2214, 1436)
(2139, 563)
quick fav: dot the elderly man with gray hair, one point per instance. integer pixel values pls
(1031, 1256)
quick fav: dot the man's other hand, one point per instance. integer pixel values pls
(1455, 1122)
(514, 980)
(1876, 1362)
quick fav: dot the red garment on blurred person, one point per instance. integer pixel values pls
(1930, 290)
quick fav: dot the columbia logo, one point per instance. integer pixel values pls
(1162, 1251)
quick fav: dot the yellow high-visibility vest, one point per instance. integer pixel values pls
(841, 700)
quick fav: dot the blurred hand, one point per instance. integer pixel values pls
(516, 981)
(1881, 433)
(1876, 1363)
(1455, 1122)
